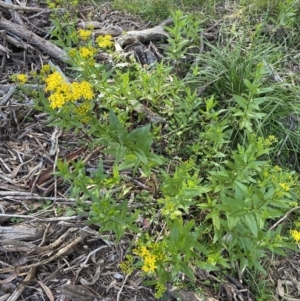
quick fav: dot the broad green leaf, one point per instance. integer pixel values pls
(141, 156)
(206, 266)
(251, 223)
(114, 122)
(241, 101)
(232, 220)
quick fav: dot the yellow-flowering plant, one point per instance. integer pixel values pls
(216, 200)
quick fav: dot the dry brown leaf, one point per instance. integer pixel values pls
(46, 290)
(8, 279)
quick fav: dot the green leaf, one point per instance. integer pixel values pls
(187, 270)
(248, 84)
(206, 266)
(259, 267)
(232, 203)
(239, 212)
(115, 124)
(141, 155)
(241, 190)
(232, 220)
(251, 223)
(216, 220)
(260, 220)
(241, 101)
(210, 103)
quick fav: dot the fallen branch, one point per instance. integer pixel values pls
(32, 38)
(20, 7)
(155, 33)
(70, 245)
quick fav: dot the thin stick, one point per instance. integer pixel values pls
(284, 217)
(119, 292)
(52, 219)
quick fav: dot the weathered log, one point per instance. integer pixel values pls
(20, 7)
(151, 34)
(21, 232)
(34, 39)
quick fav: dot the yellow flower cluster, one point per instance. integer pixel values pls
(62, 92)
(148, 258)
(211, 259)
(53, 81)
(270, 140)
(160, 289)
(168, 208)
(58, 3)
(84, 34)
(45, 69)
(277, 168)
(87, 52)
(127, 265)
(151, 256)
(83, 110)
(282, 180)
(296, 235)
(72, 52)
(22, 78)
(104, 41)
(81, 90)
(284, 186)
(54, 4)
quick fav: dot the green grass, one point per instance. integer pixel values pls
(156, 11)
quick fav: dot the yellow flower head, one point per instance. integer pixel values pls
(87, 52)
(53, 81)
(149, 264)
(84, 34)
(72, 52)
(81, 90)
(285, 186)
(45, 69)
(56, 100)
(54, 4)
(104, 41)
(51, 5)
(296, 235)
(21, 78)
(152, 255)
(272, 138)
(277, 168)
(83, 109)
(127, 265)
(160, 289)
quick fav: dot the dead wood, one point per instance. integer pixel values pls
(19, 290)
(17, 43)
(113, 31)
(34, 39)
(21, 7)
(64, 250)
(21, 232)
(77, 292)
(152, 34)
(15, 15)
